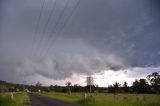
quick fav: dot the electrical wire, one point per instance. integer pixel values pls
(37, 27)
(62, 28)
(46, 24)
(56, 24)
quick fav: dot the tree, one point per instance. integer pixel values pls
(116, 86)
(125, 87)
(38, 84)
(51, 88)
(58, 88)
(135, 86)
(68, 84)
(77, 88)
(144, 86)
(141, 86)
(110, 89)
(154, 79)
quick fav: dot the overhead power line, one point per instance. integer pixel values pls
(63, 26)
(37, 26)
(46, 24)
(57, 22)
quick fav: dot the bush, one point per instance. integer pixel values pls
(89, 100)
(6, 102)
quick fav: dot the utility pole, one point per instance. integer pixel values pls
(89, 81)
(24, 83)
(90, 89)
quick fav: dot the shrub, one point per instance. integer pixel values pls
(87, 101)
(6, 102)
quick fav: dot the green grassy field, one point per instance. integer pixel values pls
(18, 99)
(108, 99)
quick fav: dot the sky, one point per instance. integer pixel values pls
(54, 41)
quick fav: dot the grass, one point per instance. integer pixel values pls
(100, 99)
(17, 100)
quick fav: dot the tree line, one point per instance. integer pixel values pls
(151, 85)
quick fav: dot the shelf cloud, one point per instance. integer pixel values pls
(56, 39)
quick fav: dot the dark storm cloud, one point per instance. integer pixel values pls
(100, 34)
(128, 29)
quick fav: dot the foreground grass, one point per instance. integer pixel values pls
(17, 100)
(108, 99)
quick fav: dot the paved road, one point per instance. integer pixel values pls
(37, 100)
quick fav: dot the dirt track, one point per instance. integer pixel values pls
(37, 100)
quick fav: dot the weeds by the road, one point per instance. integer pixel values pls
(7, 102)
(90, 100)
(100, 99)
(14, 99)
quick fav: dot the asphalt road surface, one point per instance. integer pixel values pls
(37, 100)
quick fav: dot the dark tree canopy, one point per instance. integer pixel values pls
(154, 79)
(125, 87)
(141, 86)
